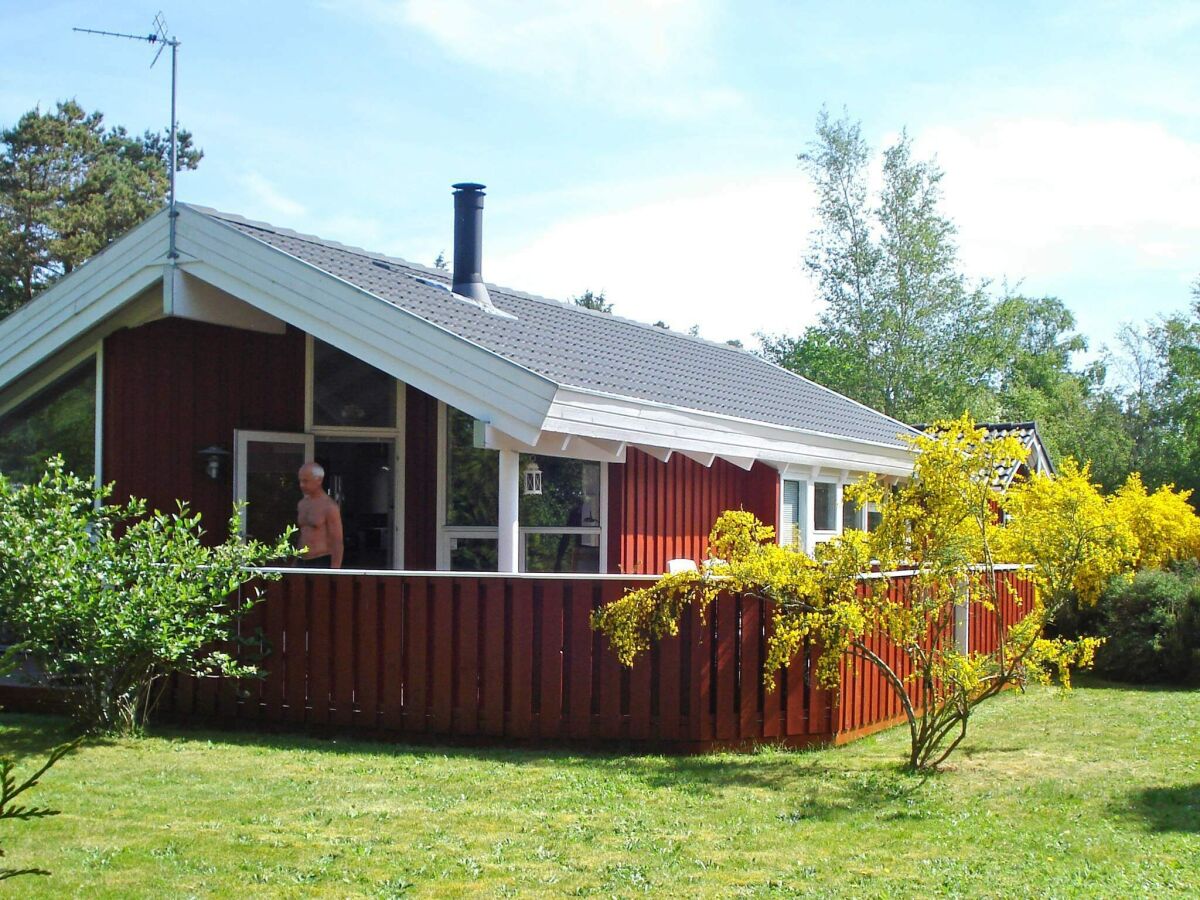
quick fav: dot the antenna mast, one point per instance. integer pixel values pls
(159, 37)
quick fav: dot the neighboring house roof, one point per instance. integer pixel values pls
(1027, 433)
(561, 368)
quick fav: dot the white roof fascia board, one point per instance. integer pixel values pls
(145, 308)
(414, 350)
(592, 415)
(82, 300)
(705, 459)
(551, 444)
(584, 396)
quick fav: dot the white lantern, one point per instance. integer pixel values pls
(531, 481)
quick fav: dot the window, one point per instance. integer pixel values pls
(350, 393)
(472, 476)
(560, 529)
(851, 516)
(791, 532)
(61, 418)
(824, 506)
(874, 517)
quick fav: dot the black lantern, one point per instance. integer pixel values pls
(214, 460)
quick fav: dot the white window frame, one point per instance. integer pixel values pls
(352, 432)
(241, 442)
(826, 534)
(447, 533)
(801, 502)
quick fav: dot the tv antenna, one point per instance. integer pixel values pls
(158, 37)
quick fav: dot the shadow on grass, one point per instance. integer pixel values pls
(1165, 808)
(1092, 681)
(810, 783)
(24, 735)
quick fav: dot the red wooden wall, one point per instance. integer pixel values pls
(173, 387)
(660, 511)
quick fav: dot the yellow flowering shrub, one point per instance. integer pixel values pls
(942, 527)
(1164, 525)
(1072, 536)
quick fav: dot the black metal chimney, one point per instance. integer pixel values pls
(468, 242)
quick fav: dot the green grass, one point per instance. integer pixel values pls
(1093, 794)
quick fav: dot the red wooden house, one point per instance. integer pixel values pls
(463, 426)
(465, 429)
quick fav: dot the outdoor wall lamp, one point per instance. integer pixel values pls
(214, 460)
(531, 483)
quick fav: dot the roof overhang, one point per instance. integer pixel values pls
(226, 276)
(660, 429)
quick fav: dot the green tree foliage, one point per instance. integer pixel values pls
(900, 329)
(1152, 627)
(943, 525)
(108, 600)
(69, 185)
(10, 790)
(596, 301)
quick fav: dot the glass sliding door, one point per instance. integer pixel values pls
(264, 472)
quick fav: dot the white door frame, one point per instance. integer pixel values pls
(241, 442)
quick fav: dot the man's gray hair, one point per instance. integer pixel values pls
(317, 469)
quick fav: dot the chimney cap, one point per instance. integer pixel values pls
(468, 186)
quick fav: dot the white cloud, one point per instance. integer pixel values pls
(644, 55)
(268, 201)
(727, 258)
(1041, 196)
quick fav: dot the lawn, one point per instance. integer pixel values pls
(1093, 794)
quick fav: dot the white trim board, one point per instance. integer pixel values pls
(640, 422)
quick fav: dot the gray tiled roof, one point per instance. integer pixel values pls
(580, 348)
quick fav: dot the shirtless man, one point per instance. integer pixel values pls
(320, 521)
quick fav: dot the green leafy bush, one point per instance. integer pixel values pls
(108, 600)
(1153, 627)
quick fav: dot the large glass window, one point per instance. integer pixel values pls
(790, 532)
(561, 525)
(61, 418)
(472, 475)
(560, 528)
(348, 392)
(851, 516)
(570, 494)
(824, 506)
(468, 554)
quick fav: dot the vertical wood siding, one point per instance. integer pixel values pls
(660, 511)
(515, 658)
(174, 386)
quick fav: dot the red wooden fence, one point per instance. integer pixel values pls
(514, 657)
(866, 702)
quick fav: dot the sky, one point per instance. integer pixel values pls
(647, 148)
